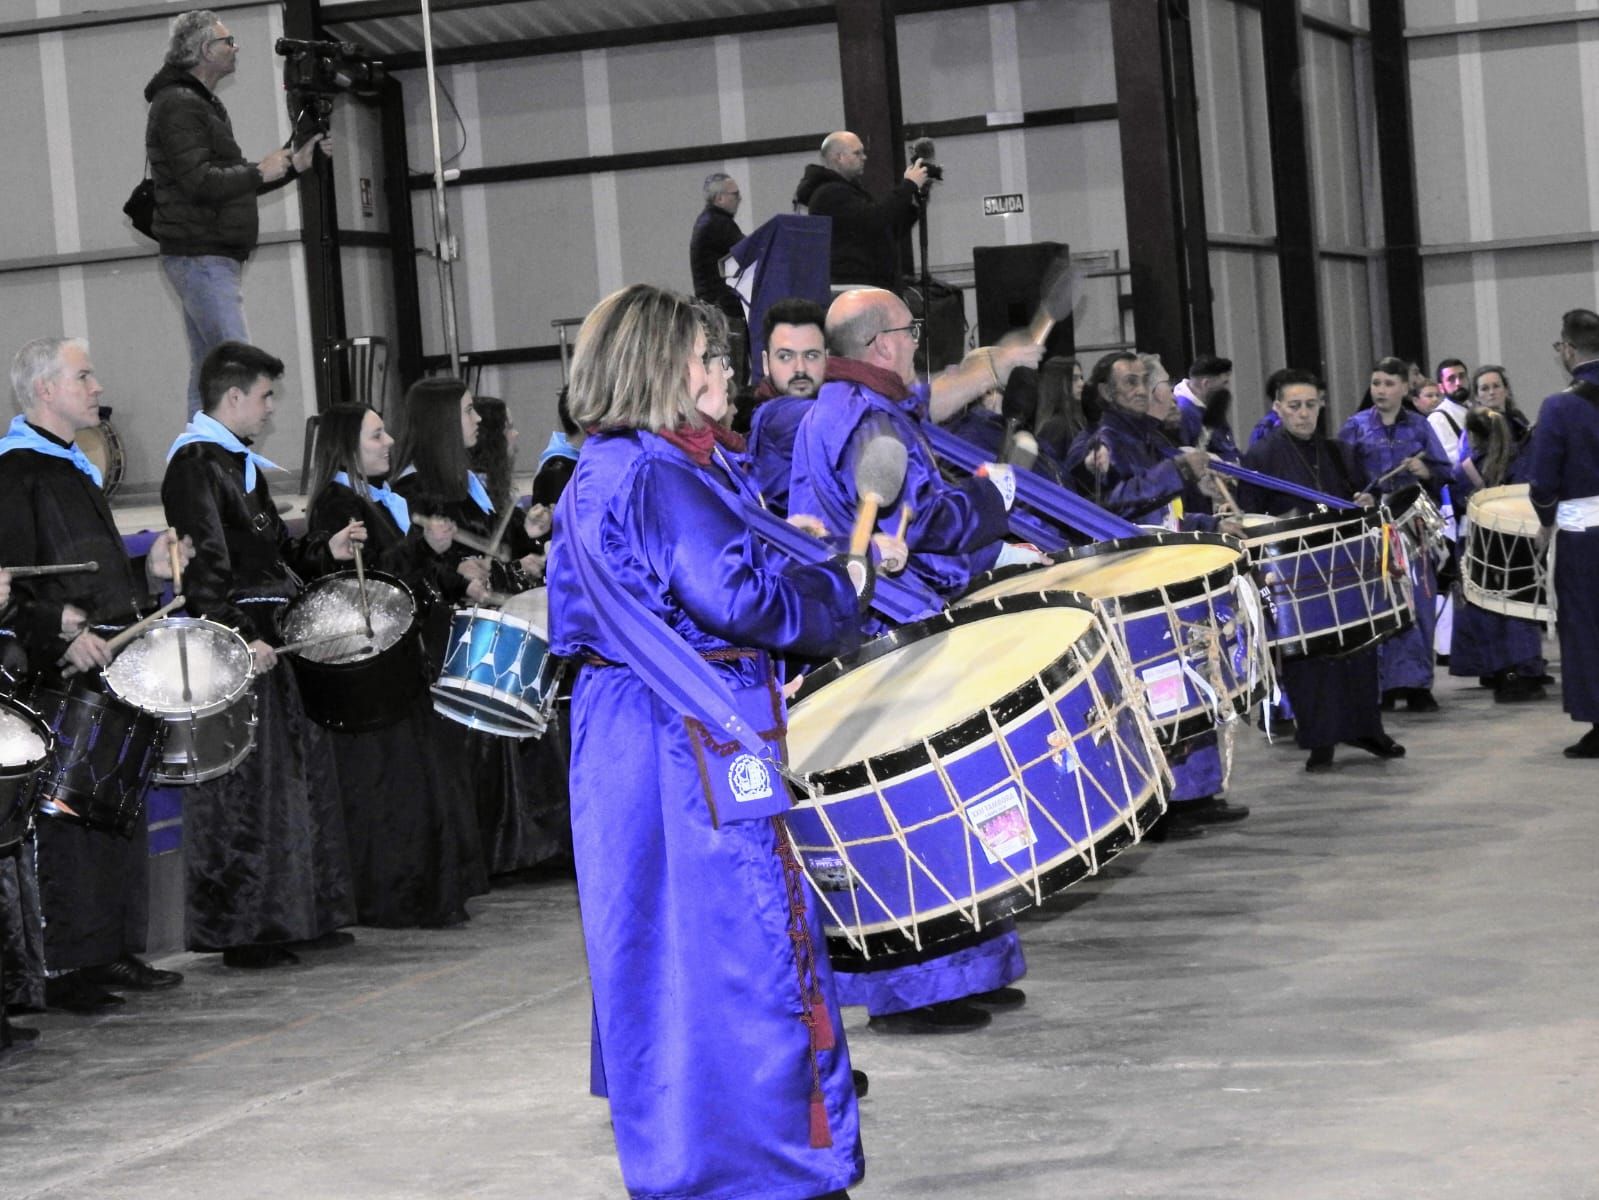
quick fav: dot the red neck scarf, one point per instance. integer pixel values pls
(884, 382)
(697, 441)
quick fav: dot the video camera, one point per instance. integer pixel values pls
(315, 72)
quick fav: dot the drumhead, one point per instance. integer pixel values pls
(332, 604)
(149, 671)
(24, 740)
(532, 606)
(1116, 572)
(104, 449)
(1507, 509)
(925, 685)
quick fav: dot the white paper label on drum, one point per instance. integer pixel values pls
(749, 779)
(1000, 823)
(1166, 688)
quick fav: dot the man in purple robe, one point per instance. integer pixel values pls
(1565, 493)
(955, 531)
(1334, 699)
(1395, 448)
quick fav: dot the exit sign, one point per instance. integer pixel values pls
(1002, 206)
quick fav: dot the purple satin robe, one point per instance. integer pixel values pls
(1565, 466)
(697, 989)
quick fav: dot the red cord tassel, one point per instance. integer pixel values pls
(821, 1135)
(821, 1024)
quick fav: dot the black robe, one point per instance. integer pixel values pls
(265, 850)
(408, 808)
(93, 885)
(1334, 699)
(524, 810)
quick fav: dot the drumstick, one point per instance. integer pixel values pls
(879, 476)
(497, 538)
(84, 568)
(1057, 295)
(307, 643)
(175, 558)
(1226, 491)
(905, 512)
(360, 583)
(1387, 475)
(132, 631)
(472, 542)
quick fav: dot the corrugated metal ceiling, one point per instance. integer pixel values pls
(533, 20)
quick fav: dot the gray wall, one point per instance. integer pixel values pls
(75, 138)
(1507, 161)
(541, 250)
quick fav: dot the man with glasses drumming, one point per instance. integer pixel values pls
(954, 531)
(205, 189)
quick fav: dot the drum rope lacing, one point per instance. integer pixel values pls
(1142, 744)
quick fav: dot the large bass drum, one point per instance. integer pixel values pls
(962, 768)
(1503, 571)
(1185, 608)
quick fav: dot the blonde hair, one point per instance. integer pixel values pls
(630, 366)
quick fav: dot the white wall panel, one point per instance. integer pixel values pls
(1247, 308)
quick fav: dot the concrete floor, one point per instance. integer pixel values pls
(1380, 985)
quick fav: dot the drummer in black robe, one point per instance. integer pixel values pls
(93, 883)
(264, 845)
(520, 784)
(1334, 699)
(410, 816)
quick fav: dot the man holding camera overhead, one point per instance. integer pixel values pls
(205, 189)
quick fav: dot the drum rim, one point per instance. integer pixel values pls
(1190, 588)
(1271, 530)
(40, 727)
(857, 773)
(207, 709)
(497, 616)
(383, 577)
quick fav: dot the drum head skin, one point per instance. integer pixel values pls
(1507, 509)
(149, 672)
(1137, 571)
(332, 604)
(24, 740)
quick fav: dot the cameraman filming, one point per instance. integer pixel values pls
(866, 232)
(205, 189)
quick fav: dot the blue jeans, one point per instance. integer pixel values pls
(208, 287)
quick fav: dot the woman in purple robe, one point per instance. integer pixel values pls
(1505, 653)
(1395, 448)
(716, 1025)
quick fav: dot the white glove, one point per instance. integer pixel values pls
(1002, 476)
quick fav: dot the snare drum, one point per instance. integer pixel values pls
(1414, 514)
(357, 684)
(962, 768)
(1503, 571)
(26, 744)
(498, 675)
(1332, 584)
(103, 761)
(209, 730)
(1184, 607)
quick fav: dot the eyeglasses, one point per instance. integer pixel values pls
(230, 40)
(1557, 346)
(914, 329)
(717, 356)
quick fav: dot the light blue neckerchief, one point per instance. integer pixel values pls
(22, 436)
(384, 495)
(208, 429)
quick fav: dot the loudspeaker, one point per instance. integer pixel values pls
(943, 325)
(1008, 284)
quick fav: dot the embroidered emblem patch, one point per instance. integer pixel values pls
(749, 779)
